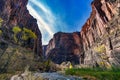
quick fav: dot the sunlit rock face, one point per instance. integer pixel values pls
(100, 34)
(97, 44)
(15, 13)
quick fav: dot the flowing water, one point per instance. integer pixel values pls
(56, 76)
(44, 76)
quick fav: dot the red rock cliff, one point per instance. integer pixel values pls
(100, 32)
(64, 47)
(15, 13)
(96, 26)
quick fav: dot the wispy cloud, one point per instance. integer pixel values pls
(47, 12)
(44, 26)
(41, 22)
(40, 6)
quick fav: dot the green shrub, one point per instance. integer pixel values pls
(1, 21)
(100, 49)
(1, 32)
(16, 29)
(27, 33)
(95, 74)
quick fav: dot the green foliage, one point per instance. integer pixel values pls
(1, 32)
(95, 74)
(25, 36)
(100, 49)
(27, 33)
(16, 29)
(1, 21)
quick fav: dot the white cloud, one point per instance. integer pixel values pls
(43, 26)
(46, 20)
(49, 16)
(41, 6)
(40, 20)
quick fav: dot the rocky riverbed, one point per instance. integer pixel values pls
(56, 76)
(44, 76)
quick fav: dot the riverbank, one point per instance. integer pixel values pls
(44, 76)
(69, 74)
(95, 74)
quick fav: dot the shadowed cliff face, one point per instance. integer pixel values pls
(97, 44)
(15, 13)
(64, 47)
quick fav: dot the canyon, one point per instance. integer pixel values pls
(96, 45)
(98, 42)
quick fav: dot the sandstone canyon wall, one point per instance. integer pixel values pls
(97, 44)
(64, 47)
(15, 13)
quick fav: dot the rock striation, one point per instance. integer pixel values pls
(97, 44)
(15, 13)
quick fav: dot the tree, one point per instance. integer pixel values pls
(16, 30)
(27, 33)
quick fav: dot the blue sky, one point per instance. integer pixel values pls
(59, 15)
